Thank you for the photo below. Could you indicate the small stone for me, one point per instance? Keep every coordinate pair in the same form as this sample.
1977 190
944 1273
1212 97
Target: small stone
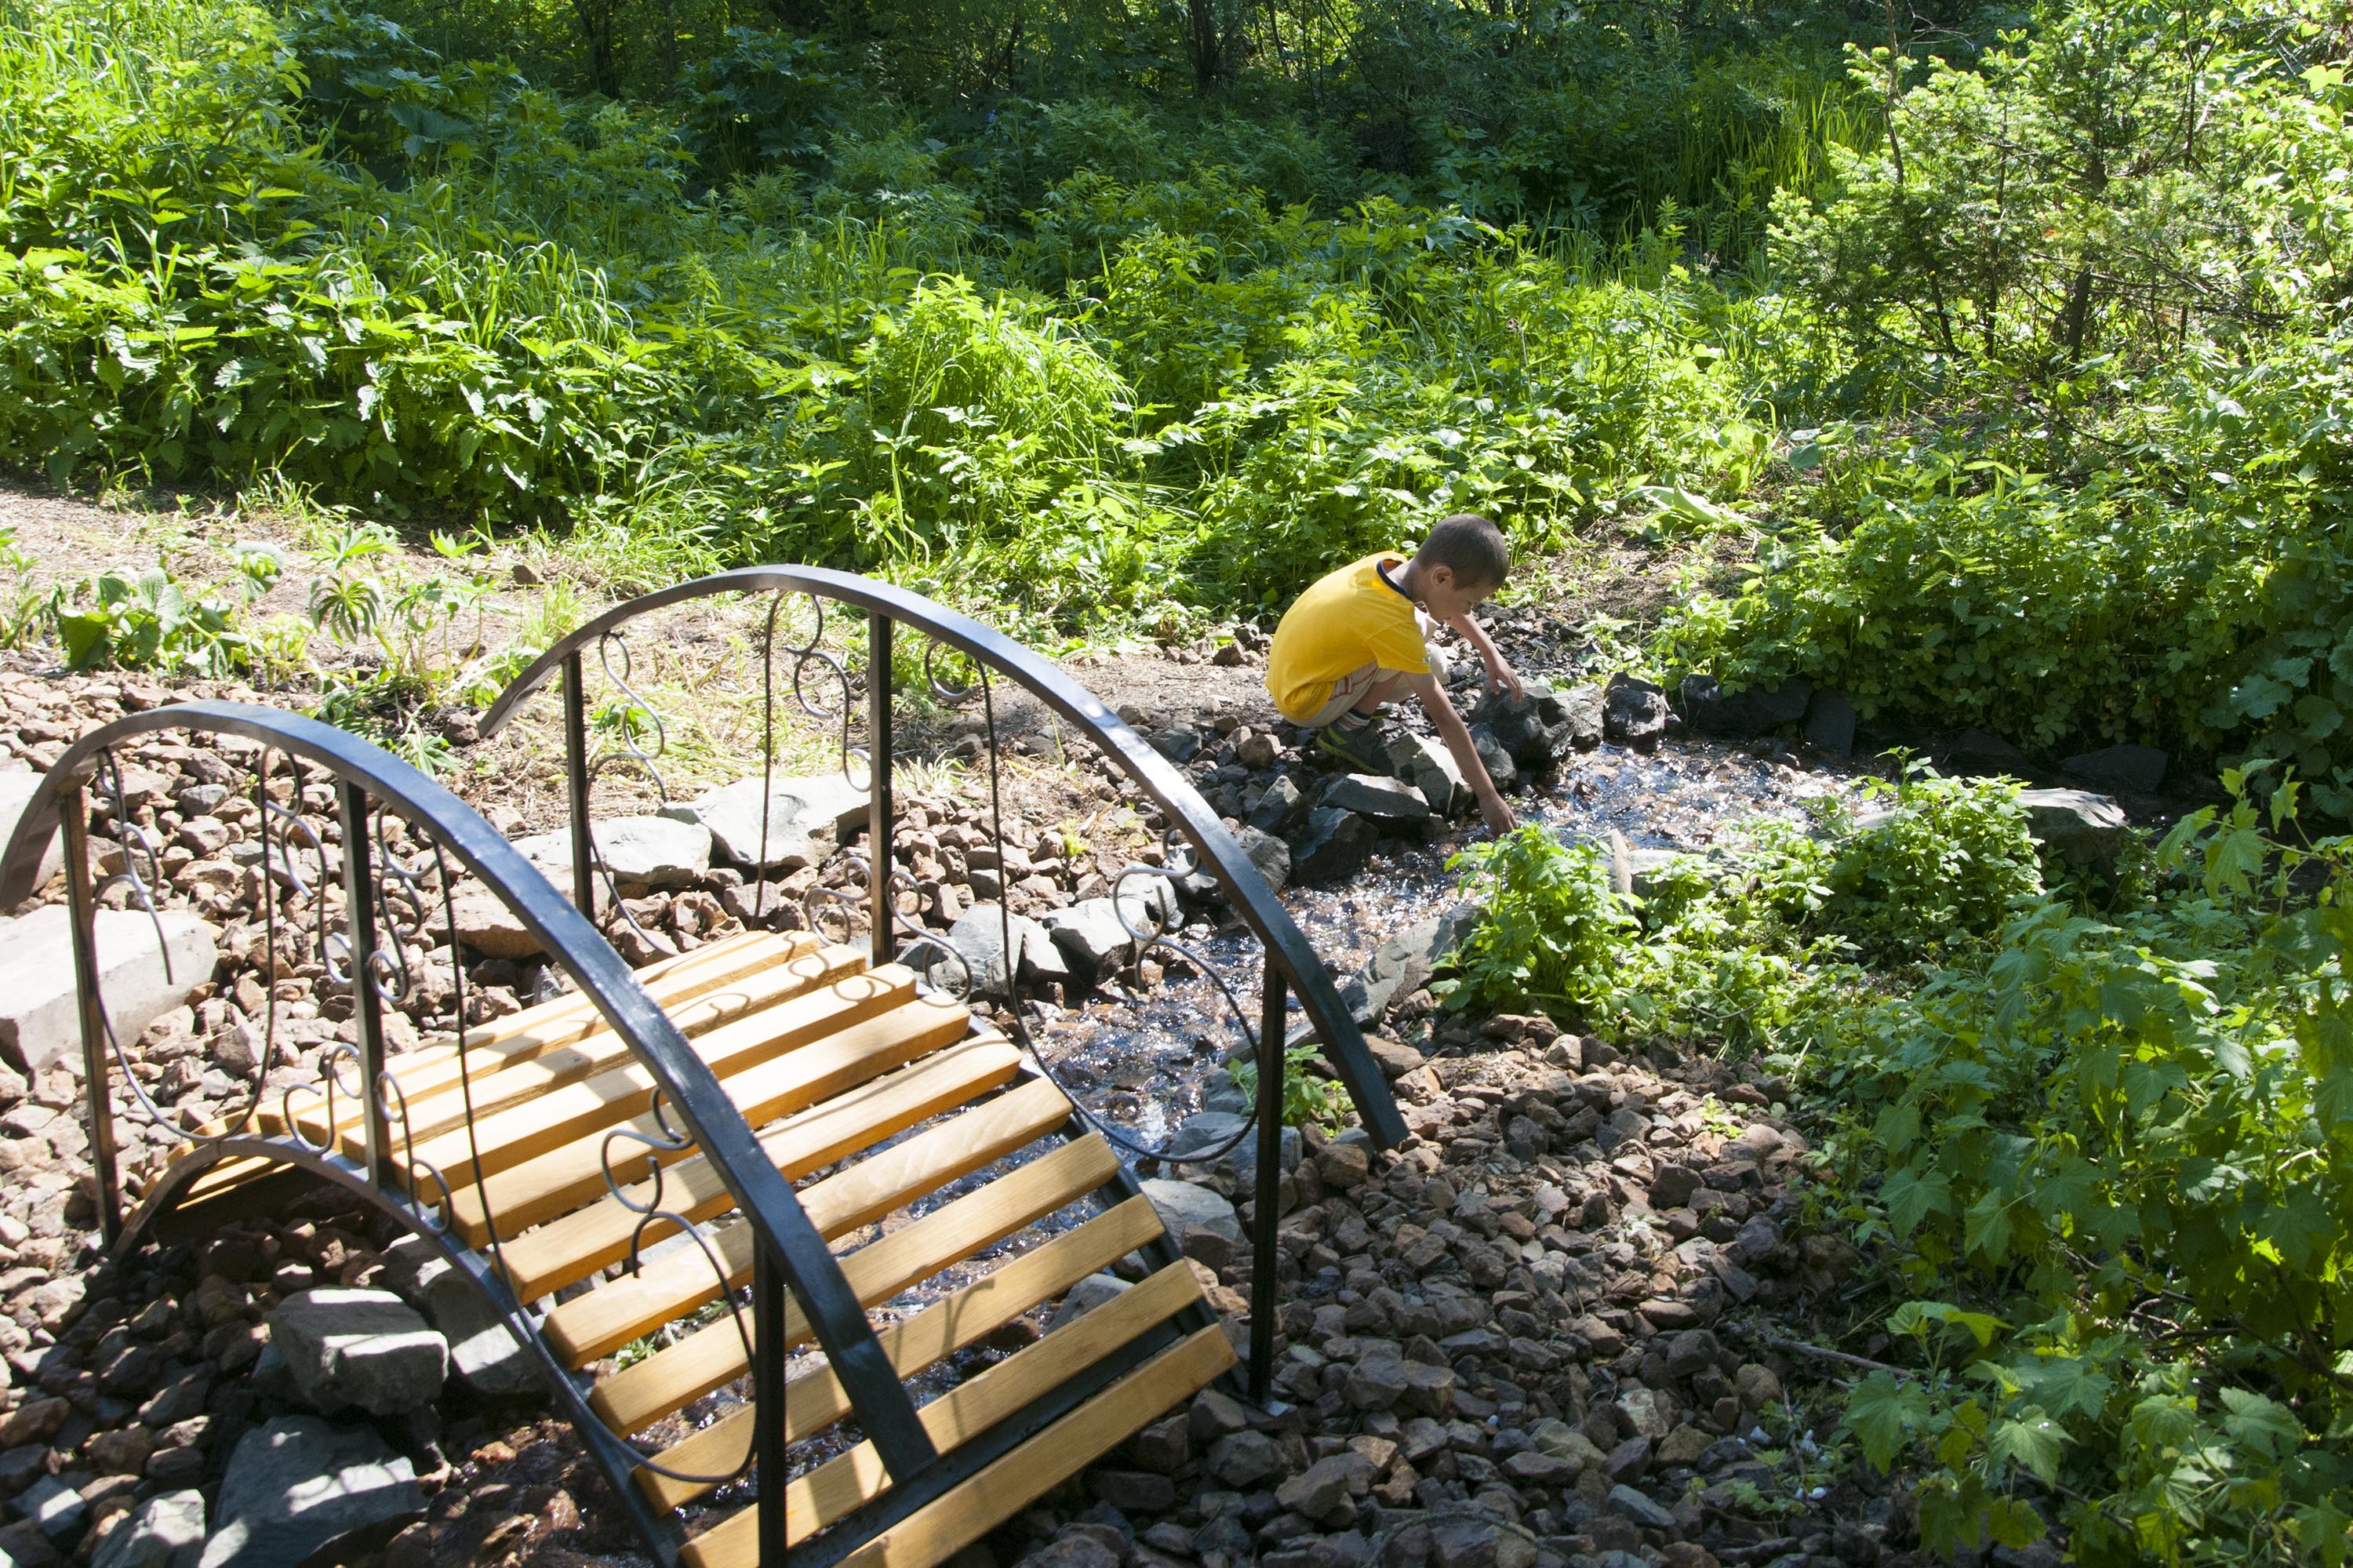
1684 1445
1280 809
1634 713
1133 1491
1183 1204
1562 1441
1535 1467
1388 803
1072 1550
1644 1414
1268 854
1093 1291
1756 1386
484 923
33 1422
1673 1186
363 1348
1628 1504
483 1352
52 1505
1242 1459
166 1531
1692 1352
1627 1461
979 937
1325 1492
1427 765
1495 756
1091 940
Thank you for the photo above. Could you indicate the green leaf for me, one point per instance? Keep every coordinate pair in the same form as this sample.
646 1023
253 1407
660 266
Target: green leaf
2268 1427
1884 1414
2031 1439
1911 1197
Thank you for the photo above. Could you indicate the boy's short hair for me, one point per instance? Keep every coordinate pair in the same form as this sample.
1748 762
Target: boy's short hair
1471 544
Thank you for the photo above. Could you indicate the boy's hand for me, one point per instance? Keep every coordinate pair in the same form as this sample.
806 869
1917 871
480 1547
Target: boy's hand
1500 673
1499 817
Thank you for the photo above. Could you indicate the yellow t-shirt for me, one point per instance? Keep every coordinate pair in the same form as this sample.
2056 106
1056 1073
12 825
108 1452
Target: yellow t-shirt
1350 618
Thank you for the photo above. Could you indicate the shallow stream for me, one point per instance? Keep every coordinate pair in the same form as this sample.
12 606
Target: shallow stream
1142 1065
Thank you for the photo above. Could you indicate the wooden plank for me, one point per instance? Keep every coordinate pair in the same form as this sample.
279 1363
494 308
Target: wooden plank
670 1378
668 1288
539 1189
669 982
815 1400
508 1084
544 1261
935 1333
578 1110
519 1037
956 1519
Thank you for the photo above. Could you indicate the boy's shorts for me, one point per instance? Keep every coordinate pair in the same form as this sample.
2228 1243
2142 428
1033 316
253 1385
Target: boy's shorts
1350 688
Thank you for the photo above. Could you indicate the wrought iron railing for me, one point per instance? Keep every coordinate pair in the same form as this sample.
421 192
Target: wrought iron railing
823 683
387 843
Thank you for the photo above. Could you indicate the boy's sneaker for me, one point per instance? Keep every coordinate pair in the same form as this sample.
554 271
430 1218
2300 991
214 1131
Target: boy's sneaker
1362 749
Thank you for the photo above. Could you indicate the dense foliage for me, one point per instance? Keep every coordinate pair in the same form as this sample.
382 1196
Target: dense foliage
2020 357
2100 1147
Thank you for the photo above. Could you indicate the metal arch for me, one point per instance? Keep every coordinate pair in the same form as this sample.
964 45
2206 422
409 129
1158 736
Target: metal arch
884 1408
1245 890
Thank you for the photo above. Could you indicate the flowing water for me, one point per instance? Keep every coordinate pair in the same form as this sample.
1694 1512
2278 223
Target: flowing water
1142 1063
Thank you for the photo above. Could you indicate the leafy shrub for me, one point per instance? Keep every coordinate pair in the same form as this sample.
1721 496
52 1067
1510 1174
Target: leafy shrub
1945 862
2118 1144
1308 1099
1551 933
153 621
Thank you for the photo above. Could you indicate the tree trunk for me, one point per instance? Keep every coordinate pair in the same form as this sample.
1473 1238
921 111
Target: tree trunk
1205 45
596 17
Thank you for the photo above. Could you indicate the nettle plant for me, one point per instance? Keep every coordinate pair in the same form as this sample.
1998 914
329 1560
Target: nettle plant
156 621
402 626
2120 1155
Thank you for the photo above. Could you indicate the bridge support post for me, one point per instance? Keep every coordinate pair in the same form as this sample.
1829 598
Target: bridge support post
81 909
1264 1217
367 1002
575 785
768 1397
881 816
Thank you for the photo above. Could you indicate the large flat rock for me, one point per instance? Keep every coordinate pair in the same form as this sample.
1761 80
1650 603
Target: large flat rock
367 1349
642 853
298 1482
16 790
804 819
140 978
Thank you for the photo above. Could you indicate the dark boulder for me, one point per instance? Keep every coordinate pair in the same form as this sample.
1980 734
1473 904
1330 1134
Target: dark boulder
1634 713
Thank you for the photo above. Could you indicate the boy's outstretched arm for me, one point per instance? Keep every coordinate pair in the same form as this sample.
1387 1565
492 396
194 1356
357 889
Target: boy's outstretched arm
1457 736
1499 668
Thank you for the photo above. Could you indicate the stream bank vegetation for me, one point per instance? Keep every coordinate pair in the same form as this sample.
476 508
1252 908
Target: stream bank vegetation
2093 1129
